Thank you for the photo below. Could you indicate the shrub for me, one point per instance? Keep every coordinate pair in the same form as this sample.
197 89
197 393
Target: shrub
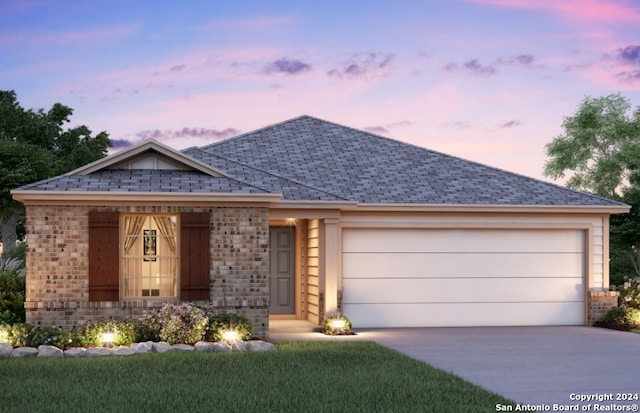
27 335
12 290
5 332
86 335
223 322
16 256
183 323
149 326
337 325
90 334
630 293
20 334
625 316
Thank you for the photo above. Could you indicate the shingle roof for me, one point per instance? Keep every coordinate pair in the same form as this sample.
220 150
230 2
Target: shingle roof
144 180
350 164
309 159
270 182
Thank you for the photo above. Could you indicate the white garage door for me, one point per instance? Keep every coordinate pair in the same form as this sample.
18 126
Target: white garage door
463 277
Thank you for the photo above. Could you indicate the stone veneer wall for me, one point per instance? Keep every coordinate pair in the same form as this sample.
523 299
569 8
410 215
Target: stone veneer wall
600 302
58 275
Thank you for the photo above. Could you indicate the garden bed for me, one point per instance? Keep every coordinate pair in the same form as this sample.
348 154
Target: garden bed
6 350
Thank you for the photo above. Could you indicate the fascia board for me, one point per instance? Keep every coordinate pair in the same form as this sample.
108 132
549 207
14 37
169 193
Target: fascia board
105 197
593 209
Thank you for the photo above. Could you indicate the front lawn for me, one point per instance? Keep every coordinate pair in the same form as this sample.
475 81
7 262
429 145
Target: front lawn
298 377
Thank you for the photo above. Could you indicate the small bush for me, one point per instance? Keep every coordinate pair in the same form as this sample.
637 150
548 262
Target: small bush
27 335
20 334
12 291
220 323
86 335
337 325
183 323
125 332
623 315
16 256
5 332
630 293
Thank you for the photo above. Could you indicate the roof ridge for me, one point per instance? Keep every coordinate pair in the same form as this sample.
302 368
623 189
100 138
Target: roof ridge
228 177
273 125
268 173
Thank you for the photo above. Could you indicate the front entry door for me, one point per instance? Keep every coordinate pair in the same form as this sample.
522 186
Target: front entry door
283 274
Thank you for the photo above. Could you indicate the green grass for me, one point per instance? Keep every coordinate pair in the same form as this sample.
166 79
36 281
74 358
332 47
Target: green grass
298 377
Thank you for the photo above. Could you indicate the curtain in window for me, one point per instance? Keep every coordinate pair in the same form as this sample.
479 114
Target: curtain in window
168 233
133 226
133 229
167 228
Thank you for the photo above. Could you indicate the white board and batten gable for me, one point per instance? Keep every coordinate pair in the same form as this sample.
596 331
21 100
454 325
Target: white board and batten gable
149 154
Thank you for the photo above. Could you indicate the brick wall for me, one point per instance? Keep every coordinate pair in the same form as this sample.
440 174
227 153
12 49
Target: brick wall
57 264
600 302
58 276
240 268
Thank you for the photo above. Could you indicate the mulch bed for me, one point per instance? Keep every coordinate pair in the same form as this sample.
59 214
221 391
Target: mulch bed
617 326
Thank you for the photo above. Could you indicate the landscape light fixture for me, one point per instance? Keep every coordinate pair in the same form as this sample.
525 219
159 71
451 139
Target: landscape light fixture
230 335
107 339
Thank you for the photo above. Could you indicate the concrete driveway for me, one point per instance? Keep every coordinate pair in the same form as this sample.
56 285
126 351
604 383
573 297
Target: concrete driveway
541 366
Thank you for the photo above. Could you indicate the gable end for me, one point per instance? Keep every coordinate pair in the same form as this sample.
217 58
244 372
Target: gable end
149 155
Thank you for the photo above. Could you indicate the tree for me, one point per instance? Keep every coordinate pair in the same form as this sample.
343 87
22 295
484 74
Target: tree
33 146
625 235
600 148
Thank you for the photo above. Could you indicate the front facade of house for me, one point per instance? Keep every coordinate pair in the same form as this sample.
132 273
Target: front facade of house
306 218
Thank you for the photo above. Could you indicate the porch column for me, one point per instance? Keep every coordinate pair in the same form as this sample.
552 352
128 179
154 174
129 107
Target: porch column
331 265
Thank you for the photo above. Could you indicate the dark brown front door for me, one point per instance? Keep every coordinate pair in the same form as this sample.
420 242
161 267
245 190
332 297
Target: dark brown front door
283 274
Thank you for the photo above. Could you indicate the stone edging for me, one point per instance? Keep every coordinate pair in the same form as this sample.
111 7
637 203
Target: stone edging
6 350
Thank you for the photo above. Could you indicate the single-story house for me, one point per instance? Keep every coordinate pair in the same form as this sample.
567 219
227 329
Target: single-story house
306 218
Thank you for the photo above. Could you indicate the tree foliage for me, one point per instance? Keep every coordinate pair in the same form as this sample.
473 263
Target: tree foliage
35 145
600 147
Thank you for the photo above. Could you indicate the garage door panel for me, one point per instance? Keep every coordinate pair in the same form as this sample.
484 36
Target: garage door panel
465 315
462 240
415 265
463 277
457 290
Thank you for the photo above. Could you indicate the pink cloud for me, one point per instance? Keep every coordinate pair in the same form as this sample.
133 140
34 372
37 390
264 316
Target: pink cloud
599 10
157 77
386 129
369 65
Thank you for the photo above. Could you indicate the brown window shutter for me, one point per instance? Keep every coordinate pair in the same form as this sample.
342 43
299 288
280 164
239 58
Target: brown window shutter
195 256
104 269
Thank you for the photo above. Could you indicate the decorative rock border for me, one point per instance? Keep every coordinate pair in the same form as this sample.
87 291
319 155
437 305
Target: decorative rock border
6 350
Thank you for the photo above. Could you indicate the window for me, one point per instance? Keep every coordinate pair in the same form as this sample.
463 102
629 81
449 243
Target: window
149 256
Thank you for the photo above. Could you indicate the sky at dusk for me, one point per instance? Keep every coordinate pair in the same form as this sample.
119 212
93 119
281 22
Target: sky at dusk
486 80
